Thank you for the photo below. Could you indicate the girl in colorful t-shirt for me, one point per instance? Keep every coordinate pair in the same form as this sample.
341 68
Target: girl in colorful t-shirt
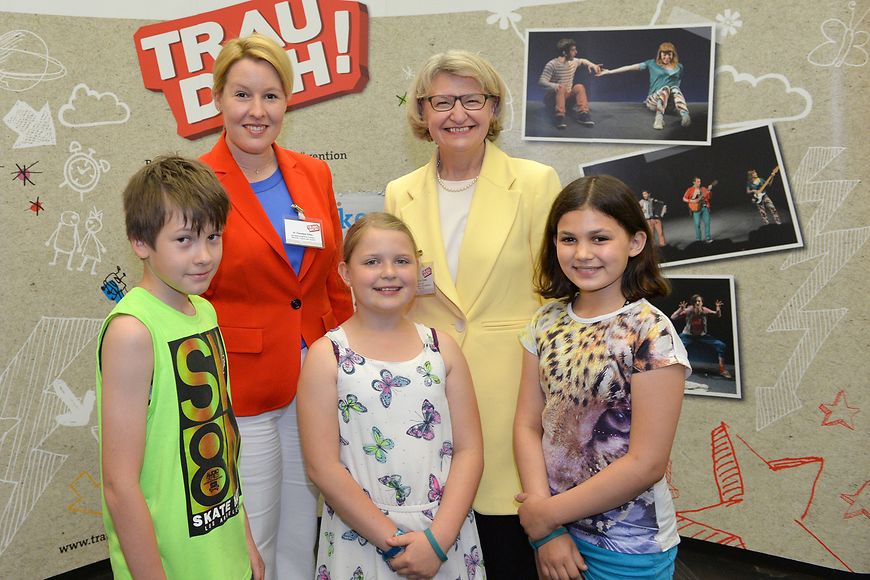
600 394
665 74
389 426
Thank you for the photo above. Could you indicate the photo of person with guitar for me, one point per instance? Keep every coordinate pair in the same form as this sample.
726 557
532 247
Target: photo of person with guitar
698 199
756 188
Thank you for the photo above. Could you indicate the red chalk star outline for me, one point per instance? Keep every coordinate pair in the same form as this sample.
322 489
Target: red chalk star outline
839 412
723 522
859 502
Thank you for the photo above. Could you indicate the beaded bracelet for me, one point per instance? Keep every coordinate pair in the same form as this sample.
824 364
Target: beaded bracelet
561 530
388 555
434 543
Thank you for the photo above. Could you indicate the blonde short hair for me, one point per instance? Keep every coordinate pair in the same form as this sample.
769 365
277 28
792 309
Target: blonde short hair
379 221
257 47
460 63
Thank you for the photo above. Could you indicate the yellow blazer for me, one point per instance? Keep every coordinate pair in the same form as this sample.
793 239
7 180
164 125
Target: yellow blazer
492 299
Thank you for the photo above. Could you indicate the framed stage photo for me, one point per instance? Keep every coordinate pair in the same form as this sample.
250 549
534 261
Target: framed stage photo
709 203
704 312
651 84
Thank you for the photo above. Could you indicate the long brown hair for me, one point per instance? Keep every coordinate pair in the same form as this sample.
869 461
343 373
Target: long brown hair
642 277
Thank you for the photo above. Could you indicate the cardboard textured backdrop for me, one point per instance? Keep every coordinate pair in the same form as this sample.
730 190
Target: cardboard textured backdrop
783 471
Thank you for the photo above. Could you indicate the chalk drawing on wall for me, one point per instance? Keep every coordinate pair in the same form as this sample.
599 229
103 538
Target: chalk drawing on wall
65 238
91 248
844 44
403 98
36 205
25 62
89 108
113 287
408 72
859 502
831 249
506 17
24 172
728 24
726 521
29 407
786 94
78 411
82 170
33 128
86 491
838 412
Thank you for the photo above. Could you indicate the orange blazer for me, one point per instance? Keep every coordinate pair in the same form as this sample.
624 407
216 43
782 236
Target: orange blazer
264 308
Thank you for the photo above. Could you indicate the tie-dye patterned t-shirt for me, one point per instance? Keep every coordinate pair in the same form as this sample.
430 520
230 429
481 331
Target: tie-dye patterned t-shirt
585 370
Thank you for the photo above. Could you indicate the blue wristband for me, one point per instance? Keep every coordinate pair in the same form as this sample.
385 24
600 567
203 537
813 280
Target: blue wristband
560 531
388 555
434 543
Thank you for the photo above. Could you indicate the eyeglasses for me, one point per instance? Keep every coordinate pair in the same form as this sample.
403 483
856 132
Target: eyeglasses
470 102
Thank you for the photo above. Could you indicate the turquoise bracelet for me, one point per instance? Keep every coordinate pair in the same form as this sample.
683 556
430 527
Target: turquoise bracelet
434 543
560 531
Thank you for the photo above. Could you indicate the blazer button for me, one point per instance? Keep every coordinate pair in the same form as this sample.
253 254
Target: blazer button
459 325
296 304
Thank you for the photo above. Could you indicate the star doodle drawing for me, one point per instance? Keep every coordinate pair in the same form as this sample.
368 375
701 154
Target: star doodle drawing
36 206
408 72
831 250
87 493
859 502
838 412
738 471
23 173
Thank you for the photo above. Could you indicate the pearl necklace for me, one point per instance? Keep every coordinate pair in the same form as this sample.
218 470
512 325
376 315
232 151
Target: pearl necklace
453 189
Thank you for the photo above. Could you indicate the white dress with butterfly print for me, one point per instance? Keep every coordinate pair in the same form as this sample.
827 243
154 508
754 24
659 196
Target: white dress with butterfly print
396 441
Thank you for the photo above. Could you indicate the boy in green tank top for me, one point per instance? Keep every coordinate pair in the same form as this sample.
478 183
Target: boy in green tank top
169 443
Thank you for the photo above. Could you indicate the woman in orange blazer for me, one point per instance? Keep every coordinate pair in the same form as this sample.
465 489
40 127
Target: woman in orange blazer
272 298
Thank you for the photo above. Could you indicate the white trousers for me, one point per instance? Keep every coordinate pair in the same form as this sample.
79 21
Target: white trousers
279 498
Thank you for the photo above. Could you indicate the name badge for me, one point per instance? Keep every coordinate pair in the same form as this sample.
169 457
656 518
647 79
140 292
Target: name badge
306 233
425 279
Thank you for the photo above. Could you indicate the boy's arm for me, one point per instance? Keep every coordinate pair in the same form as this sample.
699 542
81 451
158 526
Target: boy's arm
258 567
127 365
546 77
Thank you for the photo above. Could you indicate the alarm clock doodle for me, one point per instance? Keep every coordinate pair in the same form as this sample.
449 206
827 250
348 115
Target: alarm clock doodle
82 171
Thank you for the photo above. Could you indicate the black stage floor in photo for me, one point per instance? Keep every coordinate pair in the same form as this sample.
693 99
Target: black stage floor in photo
628 121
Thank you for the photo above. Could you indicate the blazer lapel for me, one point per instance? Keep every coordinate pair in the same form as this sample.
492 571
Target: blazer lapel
490 219
304 196
422 216
243 198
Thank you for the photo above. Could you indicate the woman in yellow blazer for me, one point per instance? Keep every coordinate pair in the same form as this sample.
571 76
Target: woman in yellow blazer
478 217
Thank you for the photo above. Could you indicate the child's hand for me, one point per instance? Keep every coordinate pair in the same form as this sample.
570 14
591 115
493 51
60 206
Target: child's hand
258 567
593 68
533 516
601 71
559 558
719 304
418 560
683 305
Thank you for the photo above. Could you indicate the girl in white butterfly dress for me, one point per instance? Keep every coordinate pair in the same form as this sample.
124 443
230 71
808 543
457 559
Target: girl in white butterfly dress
389 426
